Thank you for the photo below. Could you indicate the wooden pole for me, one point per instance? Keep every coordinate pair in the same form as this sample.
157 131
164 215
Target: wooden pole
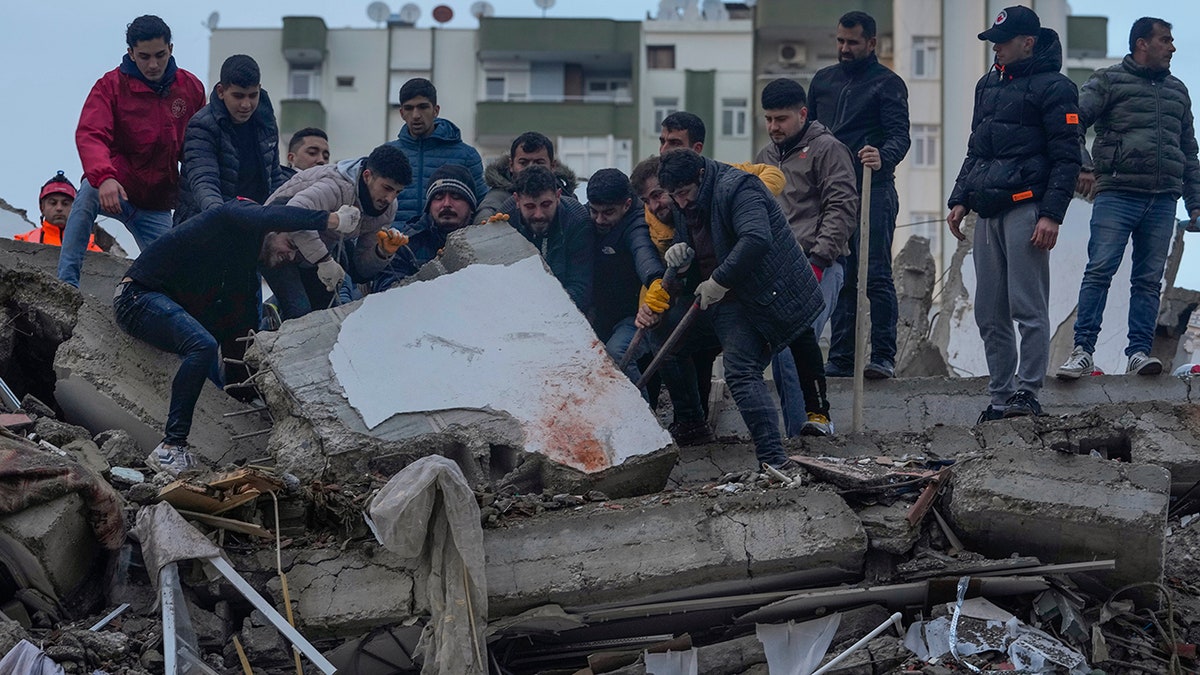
862 317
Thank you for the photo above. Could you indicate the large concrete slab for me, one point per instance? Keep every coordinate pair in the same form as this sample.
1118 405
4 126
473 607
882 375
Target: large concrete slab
1063 508
314 383
604 554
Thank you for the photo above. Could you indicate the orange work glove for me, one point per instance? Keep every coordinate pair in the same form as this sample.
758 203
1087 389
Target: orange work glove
390 240
497 217
657 298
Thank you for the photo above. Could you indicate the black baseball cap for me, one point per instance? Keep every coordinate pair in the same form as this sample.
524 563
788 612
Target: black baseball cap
1011 22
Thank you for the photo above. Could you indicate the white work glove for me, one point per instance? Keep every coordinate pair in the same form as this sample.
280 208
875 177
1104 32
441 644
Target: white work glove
348 217
710 293
679 256
331 274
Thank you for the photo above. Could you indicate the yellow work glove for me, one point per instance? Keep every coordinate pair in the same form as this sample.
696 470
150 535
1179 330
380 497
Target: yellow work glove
390 240
657 298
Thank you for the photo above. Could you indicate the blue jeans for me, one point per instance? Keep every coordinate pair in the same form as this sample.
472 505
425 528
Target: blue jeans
783 366
1117 217
156 319
746 355
618 343
881 289
145 225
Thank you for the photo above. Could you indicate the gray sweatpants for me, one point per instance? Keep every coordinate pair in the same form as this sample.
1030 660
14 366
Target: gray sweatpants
1012 283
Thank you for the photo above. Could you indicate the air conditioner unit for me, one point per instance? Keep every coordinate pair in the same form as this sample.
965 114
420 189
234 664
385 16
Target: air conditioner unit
793 53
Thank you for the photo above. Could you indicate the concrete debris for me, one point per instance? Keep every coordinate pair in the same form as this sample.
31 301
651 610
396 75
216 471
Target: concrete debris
915 274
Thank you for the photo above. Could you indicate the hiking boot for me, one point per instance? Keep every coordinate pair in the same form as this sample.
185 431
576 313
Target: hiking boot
817 425
879 370
696 432
836 371
1077 365
990 414
1141 363
170 459
1021 404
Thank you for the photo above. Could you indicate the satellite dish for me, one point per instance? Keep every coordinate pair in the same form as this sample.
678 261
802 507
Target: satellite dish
378 11
442 13
410 13
211 22
545 5
482 9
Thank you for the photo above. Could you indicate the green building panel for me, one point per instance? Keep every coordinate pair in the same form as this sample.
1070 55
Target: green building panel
1087 36
561 119
296 114
700 99
304 40
559 35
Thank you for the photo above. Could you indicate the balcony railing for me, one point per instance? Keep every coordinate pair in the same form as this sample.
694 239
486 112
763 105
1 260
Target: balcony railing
610 97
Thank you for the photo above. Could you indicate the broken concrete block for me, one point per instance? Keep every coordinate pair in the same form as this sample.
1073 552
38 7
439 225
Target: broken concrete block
119 448
86 453
59 433
10 634
488 393
1063 508
888 529
264 646
601 554
916 275
55 546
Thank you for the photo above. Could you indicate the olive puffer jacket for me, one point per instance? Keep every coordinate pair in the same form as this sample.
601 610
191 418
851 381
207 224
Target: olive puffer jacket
1025 137
1145 138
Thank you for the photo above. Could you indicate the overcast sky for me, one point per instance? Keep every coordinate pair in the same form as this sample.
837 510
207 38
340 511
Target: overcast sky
54 51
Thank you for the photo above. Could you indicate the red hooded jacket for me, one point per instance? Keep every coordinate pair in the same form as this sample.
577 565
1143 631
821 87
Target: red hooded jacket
128 132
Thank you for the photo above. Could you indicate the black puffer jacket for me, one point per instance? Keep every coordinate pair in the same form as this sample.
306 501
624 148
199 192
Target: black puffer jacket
625 261
209 172
1025 137
568 247
758 259
1145 138
864 103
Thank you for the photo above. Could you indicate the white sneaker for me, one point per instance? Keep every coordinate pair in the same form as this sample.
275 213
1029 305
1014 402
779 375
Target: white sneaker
1077 365
170 459
1143 364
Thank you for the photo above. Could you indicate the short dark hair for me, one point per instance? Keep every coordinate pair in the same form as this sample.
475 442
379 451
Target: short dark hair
644 171
1143 28
147 27
532 141
783 93
679 167
240 70
857 18
608 186
391 163
686 121
418 86
299 136
534 181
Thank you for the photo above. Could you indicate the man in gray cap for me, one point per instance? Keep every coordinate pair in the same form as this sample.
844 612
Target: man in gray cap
1019 176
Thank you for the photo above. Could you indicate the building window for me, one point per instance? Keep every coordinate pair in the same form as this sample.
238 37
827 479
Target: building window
662 108
589 154
734 114
615 90
926 224
345 80
495 89
924 145
660 57
304 83
925 58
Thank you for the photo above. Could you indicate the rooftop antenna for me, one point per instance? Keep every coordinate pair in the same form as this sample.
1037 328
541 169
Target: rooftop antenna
482 9
378 12
211 22
409 14
545 5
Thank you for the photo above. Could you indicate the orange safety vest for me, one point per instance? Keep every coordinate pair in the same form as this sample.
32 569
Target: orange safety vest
51 235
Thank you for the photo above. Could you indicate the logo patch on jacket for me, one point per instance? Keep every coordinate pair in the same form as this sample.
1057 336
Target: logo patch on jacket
1022 196
1072 118
608 250
178 108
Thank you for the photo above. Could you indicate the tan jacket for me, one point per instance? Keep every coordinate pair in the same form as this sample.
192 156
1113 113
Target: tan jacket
328 188
820 199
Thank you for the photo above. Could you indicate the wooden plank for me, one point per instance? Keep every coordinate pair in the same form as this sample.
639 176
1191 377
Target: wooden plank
228 524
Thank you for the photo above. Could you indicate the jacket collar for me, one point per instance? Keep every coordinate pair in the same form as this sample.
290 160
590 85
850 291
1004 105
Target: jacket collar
162 87
1135 68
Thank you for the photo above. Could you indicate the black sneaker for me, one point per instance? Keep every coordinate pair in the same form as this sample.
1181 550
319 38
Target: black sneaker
991 414
696 432
879 370
1021 404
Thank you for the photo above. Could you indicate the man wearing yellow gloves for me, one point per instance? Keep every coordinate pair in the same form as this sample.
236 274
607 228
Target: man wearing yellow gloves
625 261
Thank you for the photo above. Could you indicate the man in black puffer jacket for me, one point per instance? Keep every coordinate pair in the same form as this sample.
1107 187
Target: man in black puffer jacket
231 148
750 277
1019 176
1145 159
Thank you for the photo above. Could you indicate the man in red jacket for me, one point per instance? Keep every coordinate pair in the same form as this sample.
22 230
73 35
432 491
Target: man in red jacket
129 137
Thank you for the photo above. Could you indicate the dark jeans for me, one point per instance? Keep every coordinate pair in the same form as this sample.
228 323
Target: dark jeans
746 355
881 289
156 319
297 289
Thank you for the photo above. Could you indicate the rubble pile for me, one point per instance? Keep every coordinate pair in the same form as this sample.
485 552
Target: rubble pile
1068 543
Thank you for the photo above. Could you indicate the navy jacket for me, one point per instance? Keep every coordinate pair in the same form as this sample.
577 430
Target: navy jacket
864 103
210 167
626 260
567 247
758 259
209 264
443 146
425 239
1025 137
